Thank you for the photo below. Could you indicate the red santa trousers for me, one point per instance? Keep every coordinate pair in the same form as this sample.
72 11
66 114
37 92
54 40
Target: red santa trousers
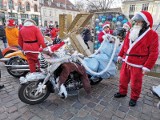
134 76
32 59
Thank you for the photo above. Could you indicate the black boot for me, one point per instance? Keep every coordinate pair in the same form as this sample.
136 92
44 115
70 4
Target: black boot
118 95
1 86
132 103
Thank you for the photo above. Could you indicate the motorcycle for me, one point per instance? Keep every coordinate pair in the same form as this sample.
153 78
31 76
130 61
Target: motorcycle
16 61
17 64
36 87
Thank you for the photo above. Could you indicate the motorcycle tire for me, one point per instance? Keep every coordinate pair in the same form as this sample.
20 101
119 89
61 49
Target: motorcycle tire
14 61
8 52
26 93
95 82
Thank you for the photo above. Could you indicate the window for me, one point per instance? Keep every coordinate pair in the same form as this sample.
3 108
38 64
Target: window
45 23
24 16
35 8
58 4
70 7
145 6
132 8
1 4
19 6
11 4
27 7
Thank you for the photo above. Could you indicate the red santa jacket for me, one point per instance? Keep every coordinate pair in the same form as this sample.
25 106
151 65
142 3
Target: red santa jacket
143 53
100 35
54 33
30 39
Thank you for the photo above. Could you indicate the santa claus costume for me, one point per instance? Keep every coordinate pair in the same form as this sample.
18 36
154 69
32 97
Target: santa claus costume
30 40
106 30
139 56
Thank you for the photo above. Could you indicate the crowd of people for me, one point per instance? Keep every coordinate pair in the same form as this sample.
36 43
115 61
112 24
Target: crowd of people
138 53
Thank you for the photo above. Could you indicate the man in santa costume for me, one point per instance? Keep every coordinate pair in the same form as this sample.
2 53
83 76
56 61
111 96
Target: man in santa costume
30 40
106 30
139 54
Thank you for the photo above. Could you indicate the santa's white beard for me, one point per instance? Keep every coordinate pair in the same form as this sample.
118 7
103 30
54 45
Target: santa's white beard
134 32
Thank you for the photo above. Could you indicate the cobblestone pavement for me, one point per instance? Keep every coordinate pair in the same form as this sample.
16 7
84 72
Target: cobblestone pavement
99 105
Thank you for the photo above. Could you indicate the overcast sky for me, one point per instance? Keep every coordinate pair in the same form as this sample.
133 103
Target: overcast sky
117 3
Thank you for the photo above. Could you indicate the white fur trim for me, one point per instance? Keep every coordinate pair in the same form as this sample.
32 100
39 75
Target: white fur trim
63 91
119 57
146 69
132 45
107 25
144 17
27 51
134 65
49 48
29 23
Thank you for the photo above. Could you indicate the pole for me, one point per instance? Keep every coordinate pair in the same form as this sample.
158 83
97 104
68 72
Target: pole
40 7
65 7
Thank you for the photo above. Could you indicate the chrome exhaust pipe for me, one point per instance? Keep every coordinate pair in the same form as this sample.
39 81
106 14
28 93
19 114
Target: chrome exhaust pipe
18 66
20 70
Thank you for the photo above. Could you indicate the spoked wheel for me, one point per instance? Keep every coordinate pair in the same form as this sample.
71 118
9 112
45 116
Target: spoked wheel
28 93
16 61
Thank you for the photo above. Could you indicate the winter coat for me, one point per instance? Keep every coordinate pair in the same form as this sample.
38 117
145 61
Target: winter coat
102 33
12 35
54 32
143 53
86 35
30 39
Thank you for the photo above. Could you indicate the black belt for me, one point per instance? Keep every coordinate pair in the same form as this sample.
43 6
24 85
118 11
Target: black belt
31 41
136 55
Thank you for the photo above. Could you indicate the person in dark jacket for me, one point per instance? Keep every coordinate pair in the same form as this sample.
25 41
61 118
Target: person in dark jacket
3 35
86 35
1 86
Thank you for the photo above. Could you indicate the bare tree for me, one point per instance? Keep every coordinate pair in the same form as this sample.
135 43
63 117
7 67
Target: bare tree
80 5
99 5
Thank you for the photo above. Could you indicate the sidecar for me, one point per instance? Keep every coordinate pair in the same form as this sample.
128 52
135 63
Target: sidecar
102 64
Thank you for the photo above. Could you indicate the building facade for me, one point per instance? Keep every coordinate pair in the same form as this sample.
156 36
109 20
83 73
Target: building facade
130 7
51 9
19 10
43 12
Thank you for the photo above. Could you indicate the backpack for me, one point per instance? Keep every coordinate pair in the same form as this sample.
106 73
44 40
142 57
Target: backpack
2 31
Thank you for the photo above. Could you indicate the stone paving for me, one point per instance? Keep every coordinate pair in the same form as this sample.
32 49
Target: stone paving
99 105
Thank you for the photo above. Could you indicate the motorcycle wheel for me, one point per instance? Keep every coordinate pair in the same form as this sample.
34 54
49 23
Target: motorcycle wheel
26 93
16 61
95 82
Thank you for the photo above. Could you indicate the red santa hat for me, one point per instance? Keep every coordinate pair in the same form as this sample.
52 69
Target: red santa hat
106 24
11 23
128 24
147 17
